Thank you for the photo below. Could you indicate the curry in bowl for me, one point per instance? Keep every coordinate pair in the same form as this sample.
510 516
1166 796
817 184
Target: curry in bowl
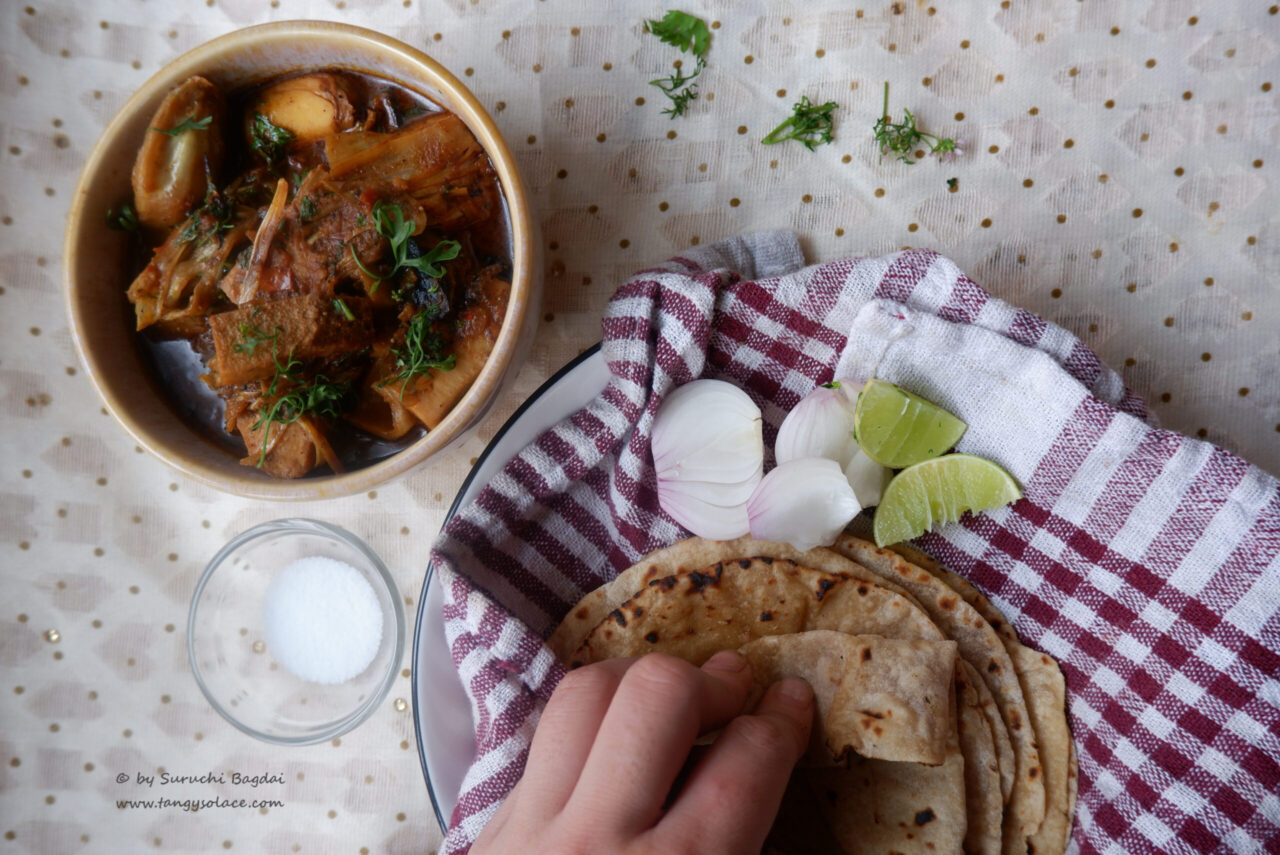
325 264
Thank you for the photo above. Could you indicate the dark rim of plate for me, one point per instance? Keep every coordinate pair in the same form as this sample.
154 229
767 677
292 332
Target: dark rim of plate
426 582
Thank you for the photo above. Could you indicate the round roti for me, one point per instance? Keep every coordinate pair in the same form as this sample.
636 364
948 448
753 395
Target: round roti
984 801
693 553
982 648
696 613
884 698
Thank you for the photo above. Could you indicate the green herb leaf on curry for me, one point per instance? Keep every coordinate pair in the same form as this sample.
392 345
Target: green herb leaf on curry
122 219
269 139
389 221
191 123
318 396
422 352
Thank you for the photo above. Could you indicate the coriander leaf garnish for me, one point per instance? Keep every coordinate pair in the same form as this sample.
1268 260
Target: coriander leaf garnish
122 219
191 123
268 139
251 337
901 140
216 214
682 30
809 124
690 34
421 354
306 209
341 306
389 220
318 395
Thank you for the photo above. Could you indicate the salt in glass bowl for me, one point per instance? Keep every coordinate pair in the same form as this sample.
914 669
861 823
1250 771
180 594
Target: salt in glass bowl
226 641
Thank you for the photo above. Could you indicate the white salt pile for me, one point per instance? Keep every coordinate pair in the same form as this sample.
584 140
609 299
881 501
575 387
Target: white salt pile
322 620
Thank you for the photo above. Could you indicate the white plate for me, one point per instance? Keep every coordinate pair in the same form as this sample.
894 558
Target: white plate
441 710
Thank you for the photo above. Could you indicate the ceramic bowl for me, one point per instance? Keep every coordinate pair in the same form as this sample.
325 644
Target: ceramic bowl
97 270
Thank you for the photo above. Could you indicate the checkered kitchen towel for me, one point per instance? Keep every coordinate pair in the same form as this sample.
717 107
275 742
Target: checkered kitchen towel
1148 563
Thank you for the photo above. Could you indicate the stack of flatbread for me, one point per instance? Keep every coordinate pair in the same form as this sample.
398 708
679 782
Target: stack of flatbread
936 730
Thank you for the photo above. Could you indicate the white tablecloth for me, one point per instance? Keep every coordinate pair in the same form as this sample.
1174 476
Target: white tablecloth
1118 177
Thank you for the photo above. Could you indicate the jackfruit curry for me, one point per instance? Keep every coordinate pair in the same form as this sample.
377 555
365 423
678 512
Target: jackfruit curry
331 265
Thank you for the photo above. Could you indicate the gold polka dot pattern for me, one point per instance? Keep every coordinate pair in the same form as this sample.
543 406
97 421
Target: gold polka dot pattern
1118 178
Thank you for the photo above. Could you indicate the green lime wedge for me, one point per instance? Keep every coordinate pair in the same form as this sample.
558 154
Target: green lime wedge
939 491
897 429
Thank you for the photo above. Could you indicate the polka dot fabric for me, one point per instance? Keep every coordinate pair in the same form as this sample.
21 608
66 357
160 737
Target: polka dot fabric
1119 178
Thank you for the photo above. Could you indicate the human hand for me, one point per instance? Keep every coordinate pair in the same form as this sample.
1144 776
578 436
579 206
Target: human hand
612 741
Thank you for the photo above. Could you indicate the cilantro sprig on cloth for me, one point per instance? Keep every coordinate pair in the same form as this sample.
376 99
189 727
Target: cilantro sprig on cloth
901 139
691 34
810 124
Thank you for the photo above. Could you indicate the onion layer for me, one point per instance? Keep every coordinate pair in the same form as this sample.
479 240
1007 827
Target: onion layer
806 502
708 456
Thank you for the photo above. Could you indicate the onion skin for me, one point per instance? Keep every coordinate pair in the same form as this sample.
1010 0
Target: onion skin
172 173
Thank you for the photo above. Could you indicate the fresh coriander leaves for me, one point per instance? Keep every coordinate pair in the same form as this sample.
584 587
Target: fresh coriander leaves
191 123
901 140
682 30
675 88
318 395
268 139
691 35
251 337
810 125
422 352
306 209
389 220
122 219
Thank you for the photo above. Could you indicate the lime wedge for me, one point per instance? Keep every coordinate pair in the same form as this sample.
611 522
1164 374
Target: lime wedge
939 491
897 429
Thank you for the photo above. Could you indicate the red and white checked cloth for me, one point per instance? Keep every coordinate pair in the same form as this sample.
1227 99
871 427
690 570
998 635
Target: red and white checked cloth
1148 563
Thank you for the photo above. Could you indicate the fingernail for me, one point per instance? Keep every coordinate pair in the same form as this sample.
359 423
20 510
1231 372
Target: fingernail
795 691
726 660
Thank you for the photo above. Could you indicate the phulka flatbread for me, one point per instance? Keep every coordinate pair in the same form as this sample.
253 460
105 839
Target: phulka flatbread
963 587
883 698
984 801
1046 694
1044 689
693 613
983 648
877 807
693 553
697 613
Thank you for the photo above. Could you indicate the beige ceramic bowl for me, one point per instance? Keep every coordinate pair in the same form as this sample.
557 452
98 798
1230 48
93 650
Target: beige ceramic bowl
97 272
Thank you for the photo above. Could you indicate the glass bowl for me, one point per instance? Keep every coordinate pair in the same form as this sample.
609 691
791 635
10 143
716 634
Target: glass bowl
227 641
